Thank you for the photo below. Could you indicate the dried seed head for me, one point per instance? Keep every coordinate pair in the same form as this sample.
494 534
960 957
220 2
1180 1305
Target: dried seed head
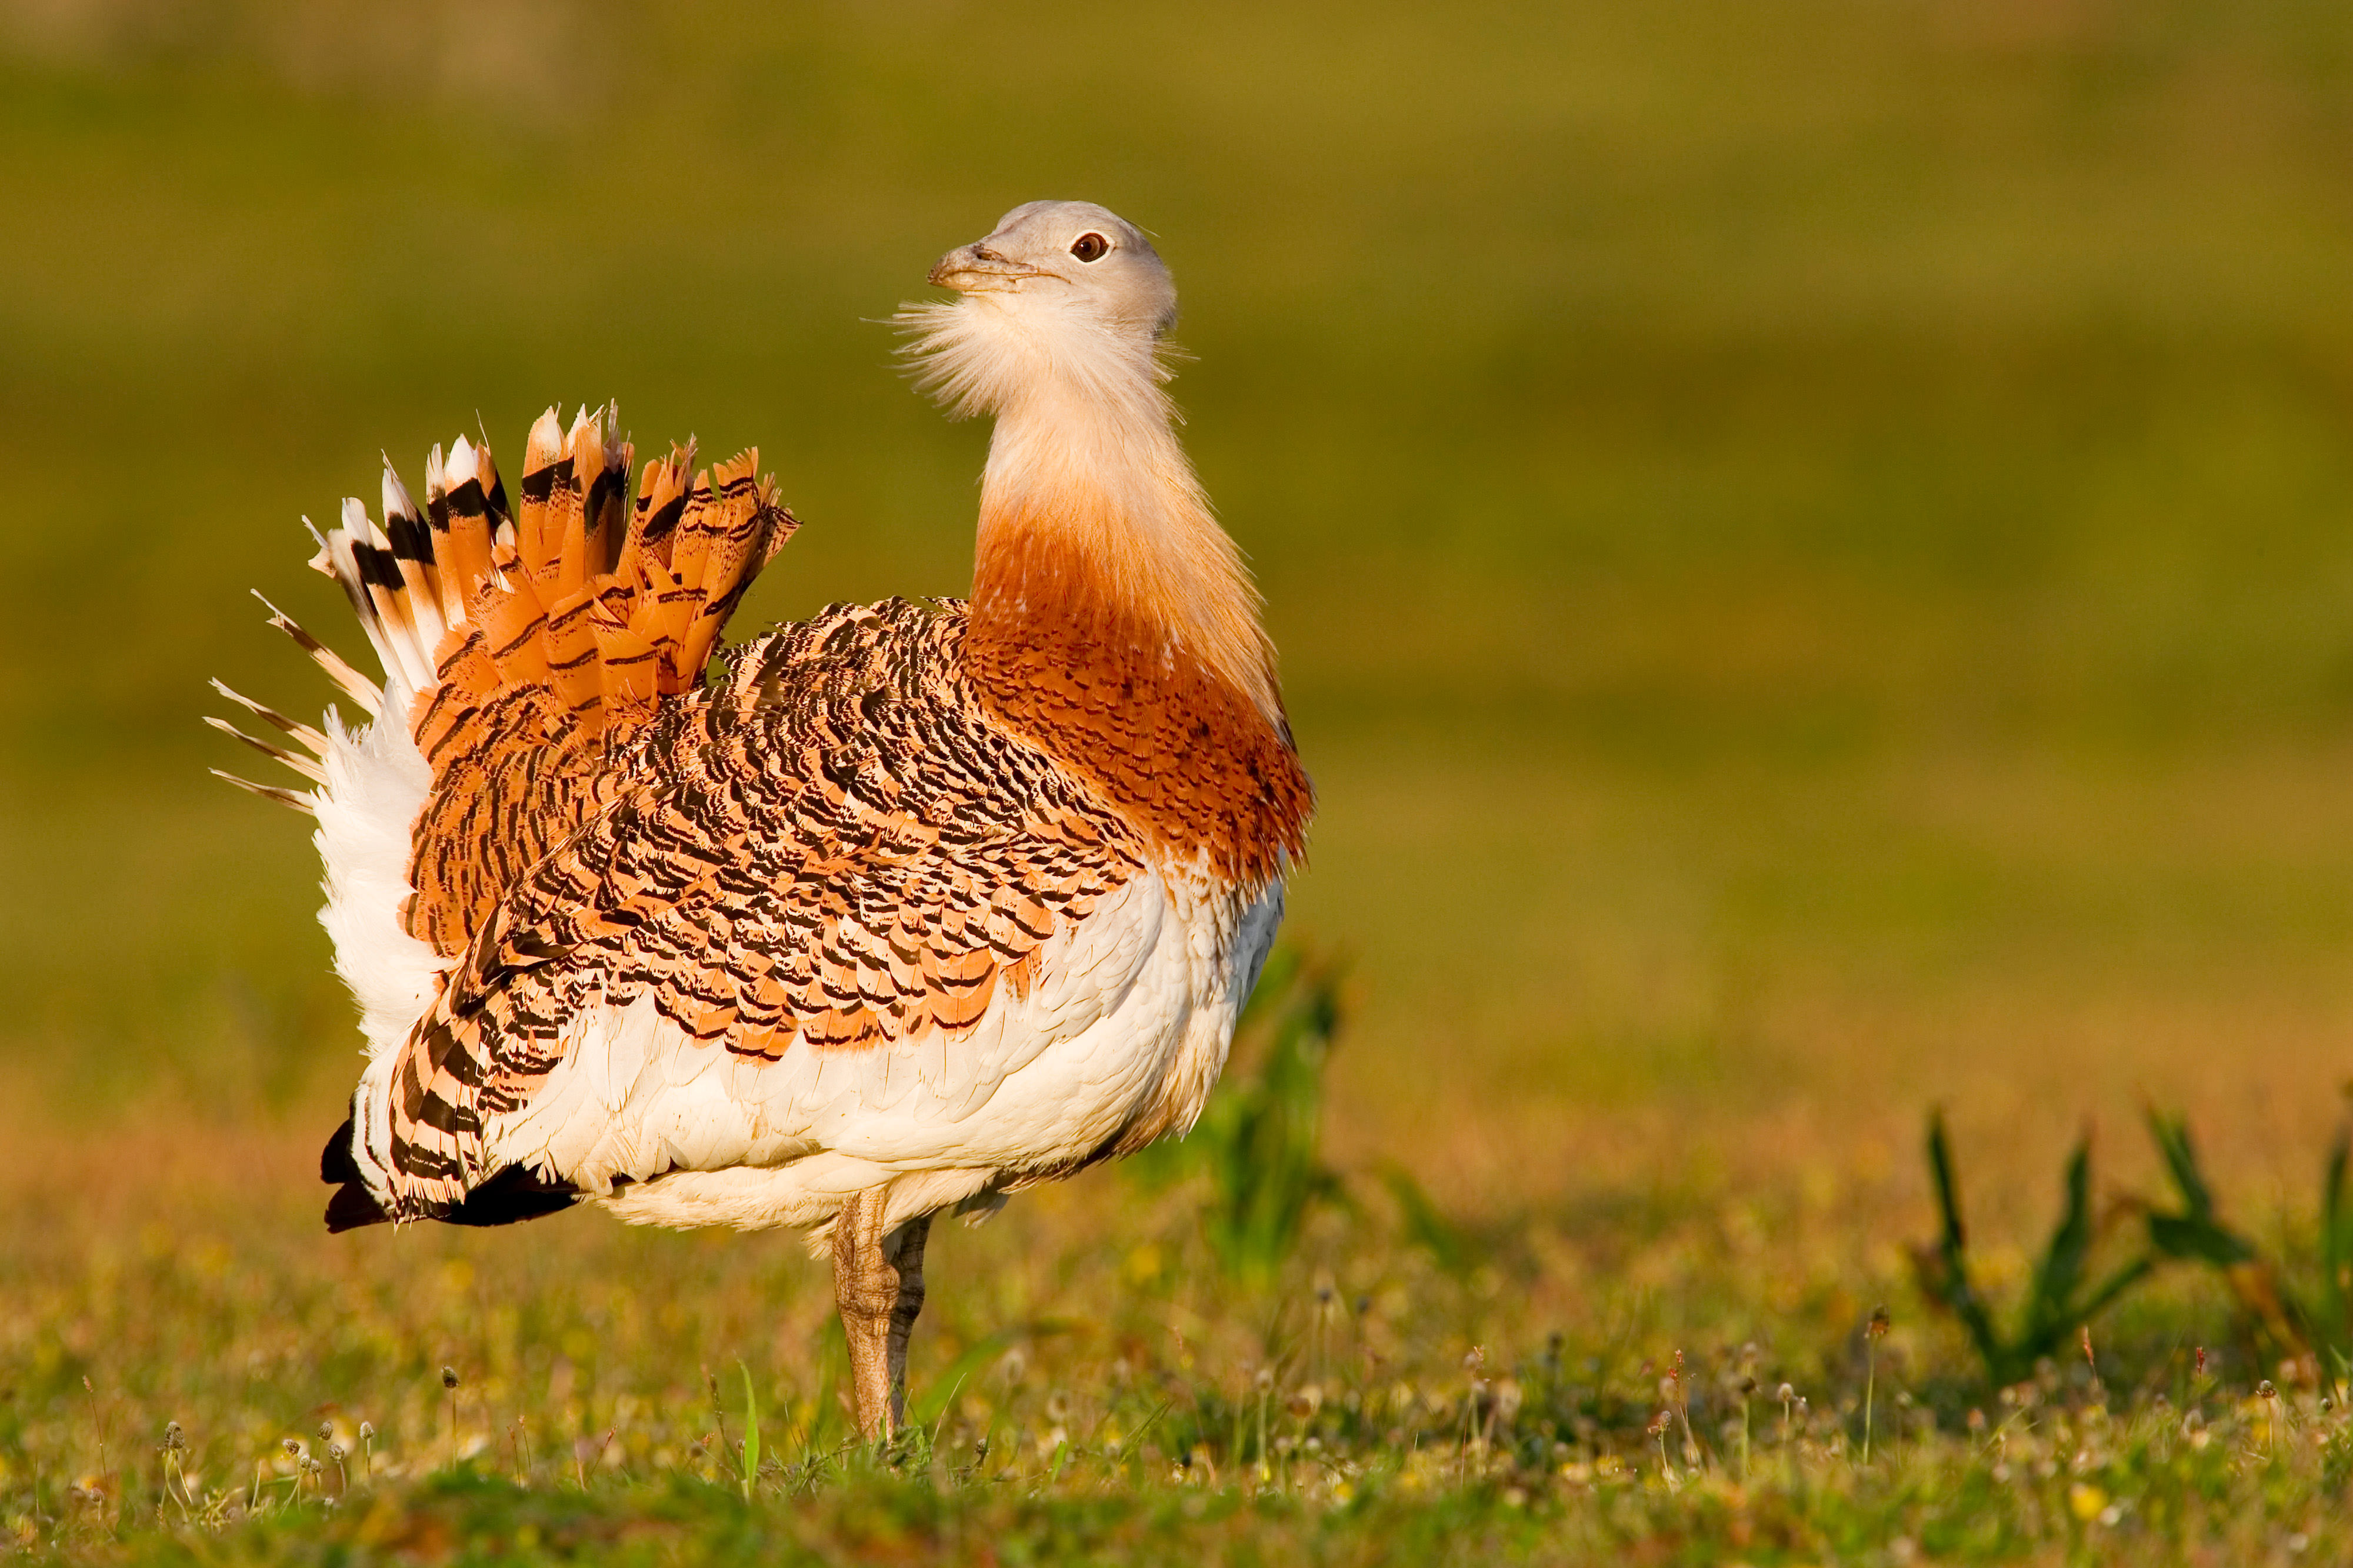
1785 1394
2264 1390
367 1430
1878 1322
335 1451
450 1377
326 1430
1265 1379
293 1448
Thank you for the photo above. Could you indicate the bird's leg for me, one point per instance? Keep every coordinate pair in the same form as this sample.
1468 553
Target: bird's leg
866 1288
878 1284
907 1244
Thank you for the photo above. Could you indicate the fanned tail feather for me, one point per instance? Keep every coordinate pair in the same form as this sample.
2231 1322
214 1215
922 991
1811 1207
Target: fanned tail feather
519 635
358 687
590 613
521 646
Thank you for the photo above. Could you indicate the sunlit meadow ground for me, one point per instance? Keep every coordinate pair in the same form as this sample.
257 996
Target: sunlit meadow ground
1810 546
1089 1389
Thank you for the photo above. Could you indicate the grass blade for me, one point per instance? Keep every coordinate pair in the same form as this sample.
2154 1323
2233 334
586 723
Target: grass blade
2335 1314
1946 1281
2052 1313
2196 1234
751 1433
933 1408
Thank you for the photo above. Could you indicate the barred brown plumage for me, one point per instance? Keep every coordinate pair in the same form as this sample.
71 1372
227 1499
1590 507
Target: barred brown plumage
893 911
875 847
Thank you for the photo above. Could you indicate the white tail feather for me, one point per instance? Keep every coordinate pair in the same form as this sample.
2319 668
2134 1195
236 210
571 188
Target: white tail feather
374 786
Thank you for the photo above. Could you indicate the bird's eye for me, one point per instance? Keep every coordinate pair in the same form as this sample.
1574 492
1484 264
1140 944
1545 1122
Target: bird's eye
1091 247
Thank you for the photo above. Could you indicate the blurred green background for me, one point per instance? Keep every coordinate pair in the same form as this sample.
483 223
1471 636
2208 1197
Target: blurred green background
1812 544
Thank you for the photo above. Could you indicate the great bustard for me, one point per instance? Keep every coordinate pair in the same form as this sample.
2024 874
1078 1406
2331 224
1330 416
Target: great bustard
891 911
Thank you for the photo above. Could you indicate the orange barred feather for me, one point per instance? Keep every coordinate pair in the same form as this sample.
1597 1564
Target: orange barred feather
572 636
831 846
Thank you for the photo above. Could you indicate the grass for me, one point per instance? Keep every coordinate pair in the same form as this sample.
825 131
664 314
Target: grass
1810 549
231 1386
197 1373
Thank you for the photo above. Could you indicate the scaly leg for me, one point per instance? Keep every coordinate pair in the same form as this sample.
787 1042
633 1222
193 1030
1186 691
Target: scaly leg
907 1244
866 1290
878 1284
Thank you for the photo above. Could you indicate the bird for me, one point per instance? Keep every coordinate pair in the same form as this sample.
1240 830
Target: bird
875 917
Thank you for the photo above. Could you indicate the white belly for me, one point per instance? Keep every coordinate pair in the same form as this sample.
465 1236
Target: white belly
1128 1019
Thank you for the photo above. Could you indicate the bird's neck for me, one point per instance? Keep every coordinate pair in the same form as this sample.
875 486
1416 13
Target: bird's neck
1113 622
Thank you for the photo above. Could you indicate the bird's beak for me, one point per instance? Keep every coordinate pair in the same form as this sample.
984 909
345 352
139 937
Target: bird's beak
975 268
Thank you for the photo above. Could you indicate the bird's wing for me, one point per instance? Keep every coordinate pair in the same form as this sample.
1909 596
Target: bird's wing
829 851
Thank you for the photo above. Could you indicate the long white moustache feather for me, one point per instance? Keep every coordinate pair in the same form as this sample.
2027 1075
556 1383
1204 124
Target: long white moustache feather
977 355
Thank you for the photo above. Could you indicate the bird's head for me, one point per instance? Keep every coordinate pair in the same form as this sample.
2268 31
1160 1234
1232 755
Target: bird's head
1071 258
1060 294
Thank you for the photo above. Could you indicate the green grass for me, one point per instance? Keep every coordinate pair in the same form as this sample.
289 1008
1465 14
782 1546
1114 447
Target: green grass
1091 1388
1810 545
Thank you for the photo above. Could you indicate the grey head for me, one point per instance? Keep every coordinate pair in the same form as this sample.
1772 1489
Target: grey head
1067 255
